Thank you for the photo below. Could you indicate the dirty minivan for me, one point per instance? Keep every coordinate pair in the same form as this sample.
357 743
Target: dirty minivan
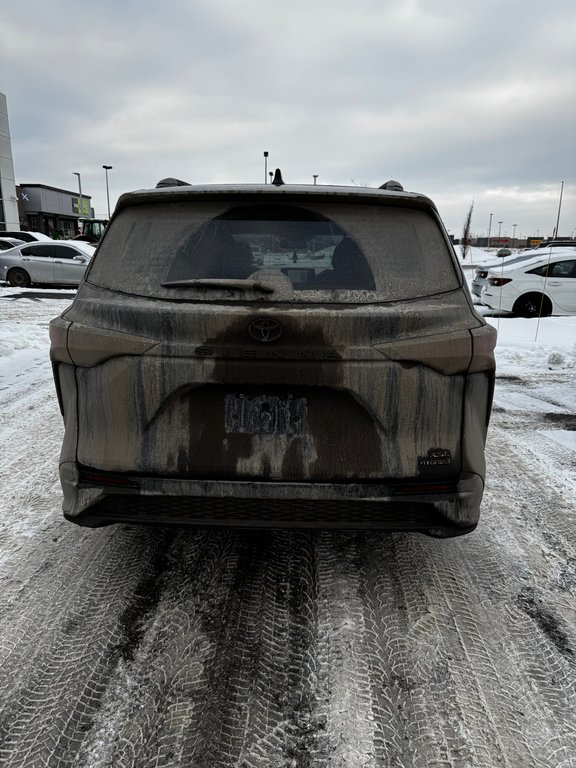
274 355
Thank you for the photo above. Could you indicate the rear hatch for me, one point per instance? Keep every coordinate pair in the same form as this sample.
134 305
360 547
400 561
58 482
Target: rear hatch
293 341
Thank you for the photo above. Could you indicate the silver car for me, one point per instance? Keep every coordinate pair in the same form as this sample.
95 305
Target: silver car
61 262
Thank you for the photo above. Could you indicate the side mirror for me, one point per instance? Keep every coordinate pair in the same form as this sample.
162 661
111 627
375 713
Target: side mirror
79 257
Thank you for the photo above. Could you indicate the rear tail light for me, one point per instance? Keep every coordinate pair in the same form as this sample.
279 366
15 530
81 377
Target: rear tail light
448 353
498 282
481 273
58 330
483 343
87 345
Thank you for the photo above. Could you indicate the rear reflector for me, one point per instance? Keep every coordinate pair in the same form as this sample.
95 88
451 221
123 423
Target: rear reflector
104 478
424 488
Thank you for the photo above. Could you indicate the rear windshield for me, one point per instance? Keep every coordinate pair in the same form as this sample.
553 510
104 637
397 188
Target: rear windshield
319 253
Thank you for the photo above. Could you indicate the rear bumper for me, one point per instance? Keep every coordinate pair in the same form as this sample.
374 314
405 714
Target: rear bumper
94 498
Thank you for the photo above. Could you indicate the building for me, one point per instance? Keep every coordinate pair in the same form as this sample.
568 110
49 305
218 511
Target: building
8 199
36 207
51 210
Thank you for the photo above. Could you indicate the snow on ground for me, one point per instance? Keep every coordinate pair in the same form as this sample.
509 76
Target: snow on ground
24 340
532 345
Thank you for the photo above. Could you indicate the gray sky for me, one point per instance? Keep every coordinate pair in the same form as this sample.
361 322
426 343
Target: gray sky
462 100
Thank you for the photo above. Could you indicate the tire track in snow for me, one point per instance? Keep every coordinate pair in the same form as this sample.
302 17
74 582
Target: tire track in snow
225 674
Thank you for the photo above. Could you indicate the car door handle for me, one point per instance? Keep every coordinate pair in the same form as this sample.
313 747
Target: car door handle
554 282
25 259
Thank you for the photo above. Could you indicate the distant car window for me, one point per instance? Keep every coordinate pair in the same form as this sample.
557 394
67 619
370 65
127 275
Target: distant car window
63 252
542 271
555 269
20 235
37 250
564 269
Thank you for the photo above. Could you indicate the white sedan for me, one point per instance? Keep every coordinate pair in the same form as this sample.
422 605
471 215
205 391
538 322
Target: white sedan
55 262
541 286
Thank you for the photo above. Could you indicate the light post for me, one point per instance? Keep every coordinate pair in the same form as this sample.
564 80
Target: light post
514 234
265 167
489 229
106 169
80 205
314 176
499 229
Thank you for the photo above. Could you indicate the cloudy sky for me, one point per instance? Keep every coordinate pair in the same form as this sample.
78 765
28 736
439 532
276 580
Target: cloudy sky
462 100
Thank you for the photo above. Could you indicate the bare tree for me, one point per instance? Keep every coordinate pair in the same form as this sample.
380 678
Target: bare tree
466 232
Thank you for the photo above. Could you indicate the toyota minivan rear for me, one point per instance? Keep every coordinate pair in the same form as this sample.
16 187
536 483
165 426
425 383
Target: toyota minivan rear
275 355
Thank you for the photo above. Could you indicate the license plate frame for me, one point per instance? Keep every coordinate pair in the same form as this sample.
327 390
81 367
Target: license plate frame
265 414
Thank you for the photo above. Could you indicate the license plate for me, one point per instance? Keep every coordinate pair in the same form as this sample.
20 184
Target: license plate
265 414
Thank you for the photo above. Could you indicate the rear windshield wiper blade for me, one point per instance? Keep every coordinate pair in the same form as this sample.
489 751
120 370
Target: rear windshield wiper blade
221 282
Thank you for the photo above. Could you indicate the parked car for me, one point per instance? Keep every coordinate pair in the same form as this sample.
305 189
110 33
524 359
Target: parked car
481 273
27 237
556 244
274 356
9 242
60 262
540 287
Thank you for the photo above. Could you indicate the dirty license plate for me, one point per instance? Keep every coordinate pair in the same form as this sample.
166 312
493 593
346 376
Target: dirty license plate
265 414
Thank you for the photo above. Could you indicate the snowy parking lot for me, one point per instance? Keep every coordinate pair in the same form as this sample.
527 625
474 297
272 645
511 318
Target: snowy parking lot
132 646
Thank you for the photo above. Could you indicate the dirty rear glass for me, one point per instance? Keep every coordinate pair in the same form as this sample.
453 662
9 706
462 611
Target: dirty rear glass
314 252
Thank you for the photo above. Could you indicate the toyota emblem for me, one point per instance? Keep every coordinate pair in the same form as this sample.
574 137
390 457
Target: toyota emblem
265 329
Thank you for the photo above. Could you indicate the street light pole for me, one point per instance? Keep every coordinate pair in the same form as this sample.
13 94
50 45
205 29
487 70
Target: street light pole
514 234
559 208
265 167
314 176
80 205
106 169
499 229
490 229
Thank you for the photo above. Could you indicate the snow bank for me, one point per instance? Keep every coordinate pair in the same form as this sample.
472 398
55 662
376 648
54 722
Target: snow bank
13 340
529 345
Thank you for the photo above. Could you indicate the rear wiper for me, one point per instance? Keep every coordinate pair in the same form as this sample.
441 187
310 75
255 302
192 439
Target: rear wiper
221 282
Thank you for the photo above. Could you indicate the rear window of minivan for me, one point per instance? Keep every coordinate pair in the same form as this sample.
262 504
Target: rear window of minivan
317 252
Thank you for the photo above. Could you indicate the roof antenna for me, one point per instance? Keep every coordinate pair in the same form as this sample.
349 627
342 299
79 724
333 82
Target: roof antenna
278 181
393 185
171 182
